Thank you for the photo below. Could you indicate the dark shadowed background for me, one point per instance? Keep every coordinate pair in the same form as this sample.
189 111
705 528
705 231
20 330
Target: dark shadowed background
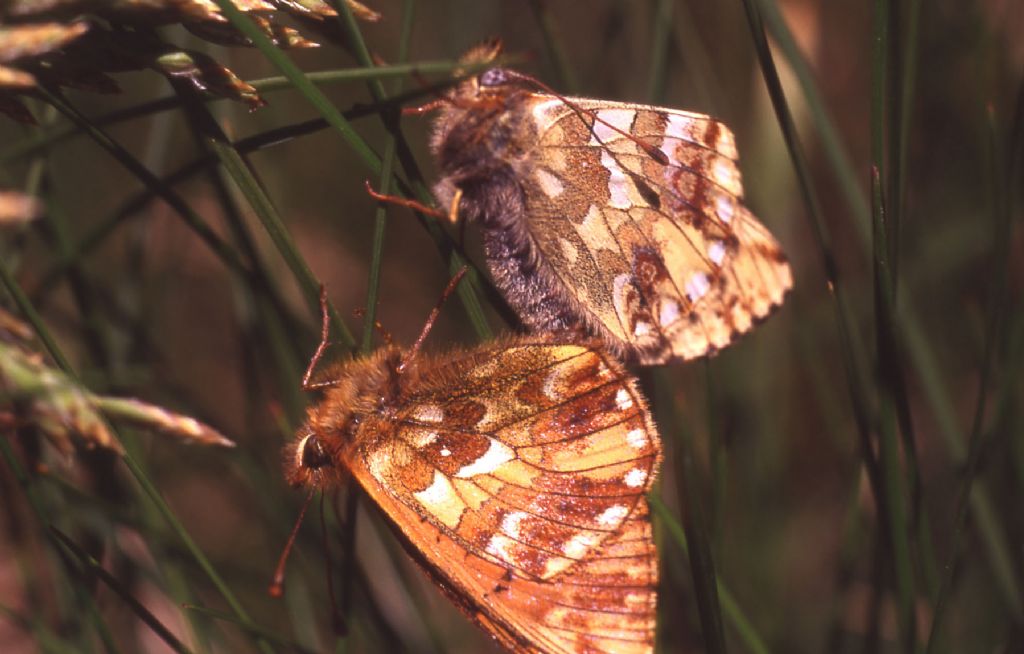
851 494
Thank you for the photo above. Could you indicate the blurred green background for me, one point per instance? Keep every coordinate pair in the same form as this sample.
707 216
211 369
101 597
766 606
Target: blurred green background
849 474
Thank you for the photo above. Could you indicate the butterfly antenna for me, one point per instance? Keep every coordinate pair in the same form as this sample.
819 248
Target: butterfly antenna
324 329
431 318
276 589
651 151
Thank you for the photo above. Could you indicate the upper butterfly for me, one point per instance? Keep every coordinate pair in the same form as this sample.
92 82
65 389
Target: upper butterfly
624 219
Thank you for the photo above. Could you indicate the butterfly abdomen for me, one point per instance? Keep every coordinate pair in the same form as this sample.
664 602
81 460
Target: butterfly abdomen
497 203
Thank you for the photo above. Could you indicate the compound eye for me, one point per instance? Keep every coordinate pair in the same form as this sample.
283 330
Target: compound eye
313 455
493 77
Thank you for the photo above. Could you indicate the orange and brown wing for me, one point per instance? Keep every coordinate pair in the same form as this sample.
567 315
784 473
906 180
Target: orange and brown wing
517 474
662 255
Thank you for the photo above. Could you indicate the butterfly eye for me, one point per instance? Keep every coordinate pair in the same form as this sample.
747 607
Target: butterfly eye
313 454
493 77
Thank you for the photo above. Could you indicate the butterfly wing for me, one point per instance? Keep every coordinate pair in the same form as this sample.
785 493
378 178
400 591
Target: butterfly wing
656 249
517 475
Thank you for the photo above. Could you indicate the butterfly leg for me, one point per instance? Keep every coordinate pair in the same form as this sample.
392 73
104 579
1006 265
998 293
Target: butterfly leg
405 202
424 108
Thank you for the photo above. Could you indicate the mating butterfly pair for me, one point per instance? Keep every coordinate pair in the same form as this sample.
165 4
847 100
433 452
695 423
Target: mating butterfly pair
516 471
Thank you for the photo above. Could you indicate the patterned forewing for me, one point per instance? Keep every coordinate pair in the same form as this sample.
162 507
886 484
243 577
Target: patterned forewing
604 604
528 462
665 257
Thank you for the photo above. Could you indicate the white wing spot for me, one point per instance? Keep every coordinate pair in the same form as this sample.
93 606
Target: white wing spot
620 286
716 252
618 185
623 400
555 565
551 385
726 143
549 183
425 438
510 523
637 439
724 208
613 515
498 548
669 312
428 413
677 129
497 454
441 501
638 572
724 174
569 250
594 230
637 599
642 329
636 477
437 492
668 148
579 544
607 119
379 462
445 451
698 286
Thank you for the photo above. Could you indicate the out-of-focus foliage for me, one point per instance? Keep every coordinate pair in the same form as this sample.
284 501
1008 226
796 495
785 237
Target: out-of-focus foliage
37 398
855 462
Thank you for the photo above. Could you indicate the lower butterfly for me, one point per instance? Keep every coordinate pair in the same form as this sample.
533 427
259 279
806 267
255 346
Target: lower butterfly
514 472
624 220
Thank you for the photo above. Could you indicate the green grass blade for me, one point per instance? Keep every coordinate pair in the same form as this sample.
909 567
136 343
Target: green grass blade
851 350
892 503
301 83
701 563
998 301
658 78
153 183
93 567
133 466
54 135
264 209
850 184
553 44
922 358
254 630
731 609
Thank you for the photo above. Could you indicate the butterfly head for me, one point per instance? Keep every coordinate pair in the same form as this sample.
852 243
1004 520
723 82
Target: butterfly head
310 458
490 86
355 391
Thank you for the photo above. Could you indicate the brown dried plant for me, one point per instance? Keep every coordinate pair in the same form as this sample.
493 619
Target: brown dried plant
79 43
36 396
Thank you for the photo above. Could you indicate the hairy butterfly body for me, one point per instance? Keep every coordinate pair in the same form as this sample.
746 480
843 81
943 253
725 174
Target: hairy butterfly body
622 219
515 473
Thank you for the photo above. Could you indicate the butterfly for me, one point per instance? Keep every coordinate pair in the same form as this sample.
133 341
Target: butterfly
514 473
622 220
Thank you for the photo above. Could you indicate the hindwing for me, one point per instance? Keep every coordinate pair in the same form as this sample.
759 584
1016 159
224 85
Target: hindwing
657 250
